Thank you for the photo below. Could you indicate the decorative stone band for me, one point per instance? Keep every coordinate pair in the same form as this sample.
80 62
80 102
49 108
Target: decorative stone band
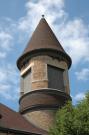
43 99
40 107
24 59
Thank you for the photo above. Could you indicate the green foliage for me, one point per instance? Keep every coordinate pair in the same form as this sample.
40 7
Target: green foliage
72 120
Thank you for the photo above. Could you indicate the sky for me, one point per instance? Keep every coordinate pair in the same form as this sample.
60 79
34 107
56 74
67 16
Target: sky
69 19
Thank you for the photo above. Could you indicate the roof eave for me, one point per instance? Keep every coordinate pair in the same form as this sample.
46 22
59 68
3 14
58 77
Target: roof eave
13 130
43 51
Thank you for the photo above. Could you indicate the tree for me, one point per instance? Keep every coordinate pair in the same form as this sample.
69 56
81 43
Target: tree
72 120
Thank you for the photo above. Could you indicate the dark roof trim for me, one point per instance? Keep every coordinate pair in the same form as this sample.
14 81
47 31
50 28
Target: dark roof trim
11 130
38 107
43 51
48 91
0 116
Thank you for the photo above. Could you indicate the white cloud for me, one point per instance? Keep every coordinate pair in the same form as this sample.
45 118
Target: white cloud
2 55
74 36
5 43
8 92
52 10
79 96
83 74
9 83
5 40
8 74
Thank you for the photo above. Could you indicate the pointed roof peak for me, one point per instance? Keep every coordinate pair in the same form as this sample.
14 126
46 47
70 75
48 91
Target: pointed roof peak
43 16
42 39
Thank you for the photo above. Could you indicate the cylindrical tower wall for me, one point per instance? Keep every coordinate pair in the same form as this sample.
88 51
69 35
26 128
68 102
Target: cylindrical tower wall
37 68
39 73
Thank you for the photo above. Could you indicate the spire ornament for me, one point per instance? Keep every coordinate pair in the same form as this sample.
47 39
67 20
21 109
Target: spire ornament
43 16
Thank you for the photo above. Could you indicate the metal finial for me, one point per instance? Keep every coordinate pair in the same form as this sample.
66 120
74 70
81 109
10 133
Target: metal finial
42 16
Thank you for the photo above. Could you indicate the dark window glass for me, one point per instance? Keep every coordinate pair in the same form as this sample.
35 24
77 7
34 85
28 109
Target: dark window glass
55 78
26 82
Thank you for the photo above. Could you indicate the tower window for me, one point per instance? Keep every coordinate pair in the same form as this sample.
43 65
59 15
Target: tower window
26 82
55 78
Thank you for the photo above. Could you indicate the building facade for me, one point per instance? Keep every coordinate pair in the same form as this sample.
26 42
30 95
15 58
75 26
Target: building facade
43 67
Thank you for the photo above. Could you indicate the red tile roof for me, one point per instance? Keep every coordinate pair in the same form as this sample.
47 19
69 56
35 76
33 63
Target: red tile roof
13 120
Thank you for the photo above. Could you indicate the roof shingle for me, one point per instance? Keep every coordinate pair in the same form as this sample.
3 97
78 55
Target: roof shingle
13 120
43 37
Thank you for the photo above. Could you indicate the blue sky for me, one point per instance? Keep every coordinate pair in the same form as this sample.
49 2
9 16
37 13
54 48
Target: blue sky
69 21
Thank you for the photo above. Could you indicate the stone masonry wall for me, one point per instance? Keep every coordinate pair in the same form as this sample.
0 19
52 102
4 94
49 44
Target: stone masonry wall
43 119
39 72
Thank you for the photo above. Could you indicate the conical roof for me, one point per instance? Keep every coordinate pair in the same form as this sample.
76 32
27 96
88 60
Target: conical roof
43 39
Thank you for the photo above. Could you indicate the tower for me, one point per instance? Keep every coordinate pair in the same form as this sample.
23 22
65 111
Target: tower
43 68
